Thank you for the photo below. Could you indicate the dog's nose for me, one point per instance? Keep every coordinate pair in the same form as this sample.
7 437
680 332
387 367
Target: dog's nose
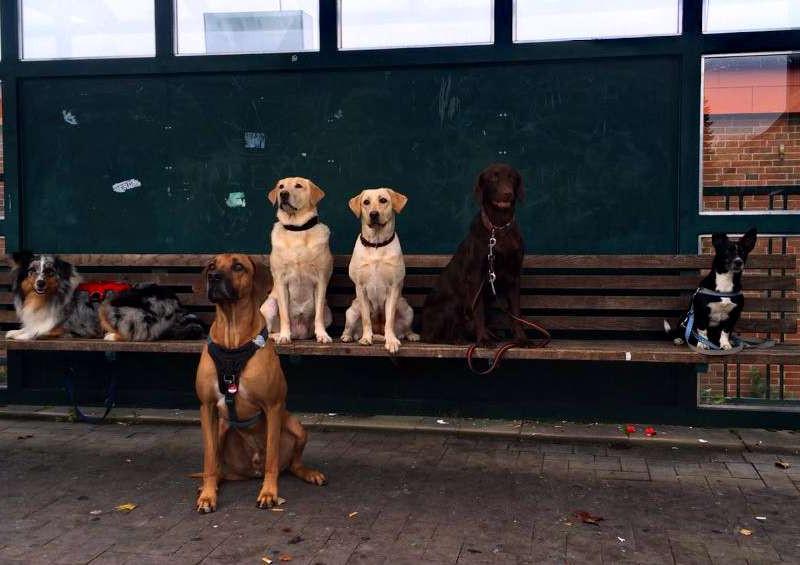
214 276
40 284
738 262
374 216
284 196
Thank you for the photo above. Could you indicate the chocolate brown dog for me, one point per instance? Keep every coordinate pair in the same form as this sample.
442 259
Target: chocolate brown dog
247 431
456 309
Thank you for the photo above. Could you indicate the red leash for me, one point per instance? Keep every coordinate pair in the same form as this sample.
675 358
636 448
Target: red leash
503 347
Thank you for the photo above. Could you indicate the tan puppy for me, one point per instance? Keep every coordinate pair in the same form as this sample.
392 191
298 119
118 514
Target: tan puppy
237 285
301 264
377 270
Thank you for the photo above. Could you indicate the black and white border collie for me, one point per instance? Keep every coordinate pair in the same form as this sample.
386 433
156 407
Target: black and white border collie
716 316
49 303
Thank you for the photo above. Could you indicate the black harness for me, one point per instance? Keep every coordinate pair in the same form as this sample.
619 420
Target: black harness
307 226
230 363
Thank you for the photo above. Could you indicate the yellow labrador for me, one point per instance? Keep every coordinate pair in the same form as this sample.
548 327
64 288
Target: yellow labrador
377 270
300 262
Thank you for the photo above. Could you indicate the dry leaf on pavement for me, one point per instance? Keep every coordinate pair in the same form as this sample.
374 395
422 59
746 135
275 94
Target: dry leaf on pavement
587 518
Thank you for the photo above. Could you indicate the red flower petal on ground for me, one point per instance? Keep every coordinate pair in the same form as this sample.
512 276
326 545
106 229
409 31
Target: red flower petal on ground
630 429
649 431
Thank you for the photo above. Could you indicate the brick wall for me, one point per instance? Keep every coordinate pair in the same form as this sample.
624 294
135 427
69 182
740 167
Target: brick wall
751 150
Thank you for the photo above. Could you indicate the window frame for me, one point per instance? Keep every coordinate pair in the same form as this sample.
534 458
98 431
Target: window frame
701 208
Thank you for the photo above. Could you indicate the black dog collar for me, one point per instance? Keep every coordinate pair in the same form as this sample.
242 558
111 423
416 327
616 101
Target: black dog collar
366 243
487 223
307 226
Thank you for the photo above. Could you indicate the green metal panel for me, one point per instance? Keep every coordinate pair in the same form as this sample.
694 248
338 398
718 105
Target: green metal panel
597 143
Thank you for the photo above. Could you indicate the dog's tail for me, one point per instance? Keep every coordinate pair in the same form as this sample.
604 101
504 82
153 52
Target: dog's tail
187 326
674 333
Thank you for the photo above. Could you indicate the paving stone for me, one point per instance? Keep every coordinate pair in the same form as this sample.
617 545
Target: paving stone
420 497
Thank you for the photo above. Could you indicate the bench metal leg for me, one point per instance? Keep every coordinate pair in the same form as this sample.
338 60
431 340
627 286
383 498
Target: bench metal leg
111 395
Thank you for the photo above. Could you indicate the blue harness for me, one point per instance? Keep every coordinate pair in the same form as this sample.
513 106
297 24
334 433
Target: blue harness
688 323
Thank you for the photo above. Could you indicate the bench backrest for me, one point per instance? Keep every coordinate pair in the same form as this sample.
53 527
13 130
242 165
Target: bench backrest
568 294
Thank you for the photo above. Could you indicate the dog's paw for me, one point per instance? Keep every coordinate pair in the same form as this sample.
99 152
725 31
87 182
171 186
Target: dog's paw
309 475
366 339
392 344
267 498
725 344
206 502
281 338
16 334
701 345
412 337
323 337
111 336
346 338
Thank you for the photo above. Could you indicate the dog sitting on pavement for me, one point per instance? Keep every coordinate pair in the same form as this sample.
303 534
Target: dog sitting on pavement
378 271
247 431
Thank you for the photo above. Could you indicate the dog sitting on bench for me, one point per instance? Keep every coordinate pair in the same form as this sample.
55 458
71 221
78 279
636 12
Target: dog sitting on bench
718 302
51 301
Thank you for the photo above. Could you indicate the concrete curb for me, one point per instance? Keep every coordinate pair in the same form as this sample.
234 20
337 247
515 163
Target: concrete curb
751 440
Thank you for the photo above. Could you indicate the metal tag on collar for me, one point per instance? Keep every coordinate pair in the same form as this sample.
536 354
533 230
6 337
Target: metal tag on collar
259 341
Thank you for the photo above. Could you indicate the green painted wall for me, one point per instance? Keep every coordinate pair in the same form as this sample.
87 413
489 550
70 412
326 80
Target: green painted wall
596 141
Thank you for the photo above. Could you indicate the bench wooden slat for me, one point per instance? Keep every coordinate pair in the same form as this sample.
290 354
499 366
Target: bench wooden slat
576 350
439 261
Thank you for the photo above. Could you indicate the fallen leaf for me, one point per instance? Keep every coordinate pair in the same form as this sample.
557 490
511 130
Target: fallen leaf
286 530
281 501
267 560
295 540
26 436
621 540
352 514
278 509
587 518
745 532
285 557
440 421
781 464
761 518
95 512
649 431
125 508
701 440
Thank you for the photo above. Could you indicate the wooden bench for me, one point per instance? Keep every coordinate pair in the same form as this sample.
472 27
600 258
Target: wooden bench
598 307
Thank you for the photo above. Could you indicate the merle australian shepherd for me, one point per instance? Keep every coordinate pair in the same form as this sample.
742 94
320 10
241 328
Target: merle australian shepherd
50 304
716 314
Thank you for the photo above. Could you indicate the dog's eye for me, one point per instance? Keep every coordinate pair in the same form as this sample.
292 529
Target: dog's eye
280 186
238 267
298 186
366 202
382 200
49 272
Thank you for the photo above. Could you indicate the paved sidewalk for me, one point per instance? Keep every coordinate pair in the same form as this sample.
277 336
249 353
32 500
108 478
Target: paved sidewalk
392 498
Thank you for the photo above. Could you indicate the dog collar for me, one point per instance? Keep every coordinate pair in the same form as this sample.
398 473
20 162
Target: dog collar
307 226
366 243
487 223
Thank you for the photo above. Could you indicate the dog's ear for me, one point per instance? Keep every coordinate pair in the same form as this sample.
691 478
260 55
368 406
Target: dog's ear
21 259
719 239
65 270
317 193
272 195
262 280
399 201
355 204
519 187
748 240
